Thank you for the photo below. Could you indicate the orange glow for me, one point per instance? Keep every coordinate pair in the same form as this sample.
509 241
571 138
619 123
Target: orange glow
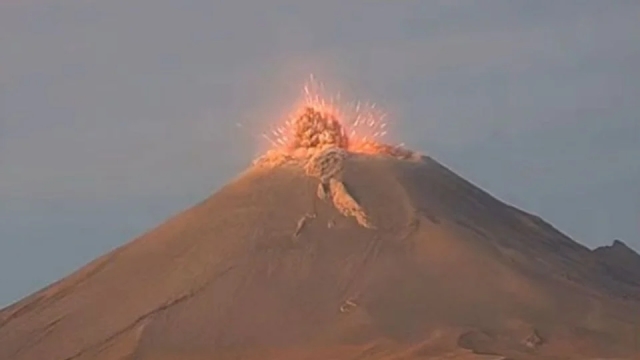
319 122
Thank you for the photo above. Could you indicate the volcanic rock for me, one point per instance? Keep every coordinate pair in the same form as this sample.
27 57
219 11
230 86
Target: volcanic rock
267 269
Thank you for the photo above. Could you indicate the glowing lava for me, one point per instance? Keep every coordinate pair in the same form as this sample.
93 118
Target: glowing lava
320 122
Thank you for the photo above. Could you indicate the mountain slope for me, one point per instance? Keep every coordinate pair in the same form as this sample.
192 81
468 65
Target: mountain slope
620 261
265 268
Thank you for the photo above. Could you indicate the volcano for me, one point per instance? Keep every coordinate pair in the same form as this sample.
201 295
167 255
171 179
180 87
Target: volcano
323 249
266 268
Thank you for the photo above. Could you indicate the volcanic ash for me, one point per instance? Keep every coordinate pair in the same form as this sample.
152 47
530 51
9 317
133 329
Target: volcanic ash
319 137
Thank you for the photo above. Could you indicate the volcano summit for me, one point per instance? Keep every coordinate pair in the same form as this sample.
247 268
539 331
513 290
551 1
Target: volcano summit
334 245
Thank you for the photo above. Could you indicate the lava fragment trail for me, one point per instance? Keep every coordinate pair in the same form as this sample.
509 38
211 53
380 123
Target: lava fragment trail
319 122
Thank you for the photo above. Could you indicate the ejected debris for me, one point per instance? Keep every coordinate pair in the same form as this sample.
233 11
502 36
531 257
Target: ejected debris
302 223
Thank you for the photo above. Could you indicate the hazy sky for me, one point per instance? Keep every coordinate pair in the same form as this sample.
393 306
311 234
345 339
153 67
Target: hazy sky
114 115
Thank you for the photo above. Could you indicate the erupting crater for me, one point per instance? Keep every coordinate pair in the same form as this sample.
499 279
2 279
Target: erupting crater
321 134
319 123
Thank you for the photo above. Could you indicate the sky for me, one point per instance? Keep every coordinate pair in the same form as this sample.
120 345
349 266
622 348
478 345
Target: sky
116 115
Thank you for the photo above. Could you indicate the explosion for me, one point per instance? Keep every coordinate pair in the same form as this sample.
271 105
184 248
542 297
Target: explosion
319 123
320 135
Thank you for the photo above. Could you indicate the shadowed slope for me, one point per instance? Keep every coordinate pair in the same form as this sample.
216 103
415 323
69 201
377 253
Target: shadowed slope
266 269
621 260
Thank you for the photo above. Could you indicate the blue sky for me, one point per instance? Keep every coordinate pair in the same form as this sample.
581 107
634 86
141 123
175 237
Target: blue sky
115 115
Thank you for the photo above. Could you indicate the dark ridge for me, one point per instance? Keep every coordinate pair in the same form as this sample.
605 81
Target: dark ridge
620 261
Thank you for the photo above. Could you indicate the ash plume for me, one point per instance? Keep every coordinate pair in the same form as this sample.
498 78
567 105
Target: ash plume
320 134
320 122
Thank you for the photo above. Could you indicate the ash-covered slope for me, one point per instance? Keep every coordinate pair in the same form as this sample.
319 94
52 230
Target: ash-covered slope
269 268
